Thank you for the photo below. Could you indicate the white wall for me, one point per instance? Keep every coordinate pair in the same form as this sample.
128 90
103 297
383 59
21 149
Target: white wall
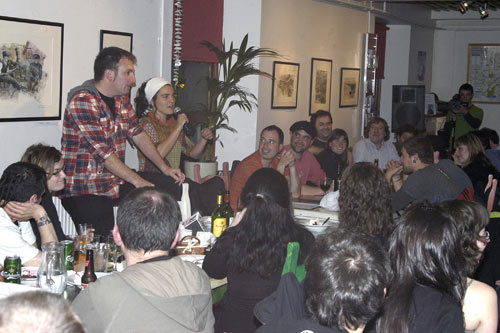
240 17
83 21
397 52
301 30
450 58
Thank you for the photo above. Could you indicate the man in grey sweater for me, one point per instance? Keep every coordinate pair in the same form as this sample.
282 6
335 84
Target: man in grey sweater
426 180
155 292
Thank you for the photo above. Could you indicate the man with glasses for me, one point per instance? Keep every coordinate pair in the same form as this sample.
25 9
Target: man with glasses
267 156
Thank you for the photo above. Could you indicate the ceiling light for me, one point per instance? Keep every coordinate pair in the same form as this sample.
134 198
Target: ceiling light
463 6
482 11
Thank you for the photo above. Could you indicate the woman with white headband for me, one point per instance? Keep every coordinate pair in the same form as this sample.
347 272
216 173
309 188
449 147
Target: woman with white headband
163 127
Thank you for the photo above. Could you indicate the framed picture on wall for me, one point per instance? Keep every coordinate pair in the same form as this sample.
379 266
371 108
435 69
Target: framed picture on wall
31 56
285 85
349 87
119 39
483 71
321 80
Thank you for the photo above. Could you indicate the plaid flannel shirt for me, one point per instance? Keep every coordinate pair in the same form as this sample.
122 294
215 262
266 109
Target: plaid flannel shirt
91 133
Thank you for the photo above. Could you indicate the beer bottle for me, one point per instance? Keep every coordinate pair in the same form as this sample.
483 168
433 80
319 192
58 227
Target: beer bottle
89 274
336 181
227 209
219 220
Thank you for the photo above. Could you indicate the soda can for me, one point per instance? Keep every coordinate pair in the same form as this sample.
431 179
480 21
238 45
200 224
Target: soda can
68 254
12 269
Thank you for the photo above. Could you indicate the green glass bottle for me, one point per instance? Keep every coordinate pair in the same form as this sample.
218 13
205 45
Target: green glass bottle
219 220
229 212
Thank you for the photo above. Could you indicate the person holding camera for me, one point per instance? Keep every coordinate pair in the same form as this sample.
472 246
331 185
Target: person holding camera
463 116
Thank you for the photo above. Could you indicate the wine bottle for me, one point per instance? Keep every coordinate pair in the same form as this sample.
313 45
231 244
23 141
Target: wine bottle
89 274
229 212
219 220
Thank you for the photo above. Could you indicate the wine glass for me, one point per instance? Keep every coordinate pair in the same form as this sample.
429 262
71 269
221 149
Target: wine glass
114 250
325 184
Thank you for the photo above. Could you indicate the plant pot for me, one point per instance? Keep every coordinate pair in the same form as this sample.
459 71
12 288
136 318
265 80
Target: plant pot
206 169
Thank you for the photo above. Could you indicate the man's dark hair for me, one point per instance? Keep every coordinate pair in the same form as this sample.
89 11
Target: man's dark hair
378 120
319 114
406 128
491 134
108 58
420 146
347 272
20 181
466 86
148 219
276 129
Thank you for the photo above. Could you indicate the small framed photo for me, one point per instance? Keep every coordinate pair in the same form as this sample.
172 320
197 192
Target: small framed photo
285 85
321 81
349 87
119 39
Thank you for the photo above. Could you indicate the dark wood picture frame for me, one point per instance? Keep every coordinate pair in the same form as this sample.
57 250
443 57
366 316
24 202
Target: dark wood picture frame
31 67
285 86
321 85
349 87
119 39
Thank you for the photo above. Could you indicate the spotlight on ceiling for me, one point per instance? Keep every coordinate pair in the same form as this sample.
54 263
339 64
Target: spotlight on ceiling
482 11
463 6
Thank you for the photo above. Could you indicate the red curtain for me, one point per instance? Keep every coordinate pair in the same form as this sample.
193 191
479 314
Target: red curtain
381 31
201 20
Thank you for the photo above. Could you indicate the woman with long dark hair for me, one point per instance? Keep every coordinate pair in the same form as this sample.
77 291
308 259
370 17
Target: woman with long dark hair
427 288
480 300
336 157
365 201
251 253
154 105
470 156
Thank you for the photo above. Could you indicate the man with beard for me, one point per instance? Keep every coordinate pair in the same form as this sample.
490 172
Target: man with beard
267 156
309 173
375 146
322 121
426 181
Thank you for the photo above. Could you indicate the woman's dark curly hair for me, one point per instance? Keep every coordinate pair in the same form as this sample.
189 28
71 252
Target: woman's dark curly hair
365 200
259 241
470 217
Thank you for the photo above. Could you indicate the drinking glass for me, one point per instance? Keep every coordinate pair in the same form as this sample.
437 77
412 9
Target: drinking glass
325 184
52 274
114 250
100 253
86 235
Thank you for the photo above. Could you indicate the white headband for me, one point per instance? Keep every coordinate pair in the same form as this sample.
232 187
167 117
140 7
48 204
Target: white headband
153 86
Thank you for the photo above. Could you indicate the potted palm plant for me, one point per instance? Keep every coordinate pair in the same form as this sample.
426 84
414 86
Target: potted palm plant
225 91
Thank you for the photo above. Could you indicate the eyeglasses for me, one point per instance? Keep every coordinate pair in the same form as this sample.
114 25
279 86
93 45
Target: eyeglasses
485 238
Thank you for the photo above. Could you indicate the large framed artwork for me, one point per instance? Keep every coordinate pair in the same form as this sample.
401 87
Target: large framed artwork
119 39
285 85
349 87
31 59
321 80
483 72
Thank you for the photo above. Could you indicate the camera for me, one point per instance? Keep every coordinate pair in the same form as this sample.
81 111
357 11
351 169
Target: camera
455 103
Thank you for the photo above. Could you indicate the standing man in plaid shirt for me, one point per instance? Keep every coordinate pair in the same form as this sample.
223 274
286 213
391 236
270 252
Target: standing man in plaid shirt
98 120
